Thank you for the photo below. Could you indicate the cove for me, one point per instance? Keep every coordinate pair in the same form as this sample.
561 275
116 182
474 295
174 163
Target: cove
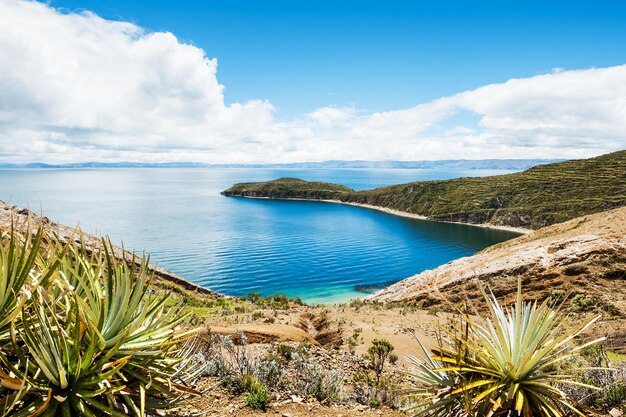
320 252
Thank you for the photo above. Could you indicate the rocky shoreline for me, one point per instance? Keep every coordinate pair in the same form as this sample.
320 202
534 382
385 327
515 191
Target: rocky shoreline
21 217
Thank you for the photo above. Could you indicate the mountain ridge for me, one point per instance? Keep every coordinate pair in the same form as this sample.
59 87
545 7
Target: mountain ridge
504 164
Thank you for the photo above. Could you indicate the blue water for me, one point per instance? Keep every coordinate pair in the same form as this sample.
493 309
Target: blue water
317 251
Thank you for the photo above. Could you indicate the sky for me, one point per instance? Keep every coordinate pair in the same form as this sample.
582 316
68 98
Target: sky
234 81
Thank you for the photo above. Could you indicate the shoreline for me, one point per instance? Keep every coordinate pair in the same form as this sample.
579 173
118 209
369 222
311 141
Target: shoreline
520 230
11 214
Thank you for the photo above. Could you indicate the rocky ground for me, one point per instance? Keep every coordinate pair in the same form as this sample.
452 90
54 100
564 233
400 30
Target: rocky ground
336 338
221 403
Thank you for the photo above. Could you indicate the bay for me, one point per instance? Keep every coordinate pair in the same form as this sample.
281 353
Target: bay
320 252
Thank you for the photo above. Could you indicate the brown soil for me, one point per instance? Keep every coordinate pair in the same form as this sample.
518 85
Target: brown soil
218 402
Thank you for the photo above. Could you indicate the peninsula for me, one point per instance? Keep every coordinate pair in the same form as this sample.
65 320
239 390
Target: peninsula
540 196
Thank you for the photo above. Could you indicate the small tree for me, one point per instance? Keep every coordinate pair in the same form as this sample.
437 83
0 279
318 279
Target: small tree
378 354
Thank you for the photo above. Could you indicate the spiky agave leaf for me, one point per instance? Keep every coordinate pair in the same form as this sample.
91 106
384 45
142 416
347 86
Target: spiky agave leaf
431 385
69 376
508 363
114 296
18 258
25 263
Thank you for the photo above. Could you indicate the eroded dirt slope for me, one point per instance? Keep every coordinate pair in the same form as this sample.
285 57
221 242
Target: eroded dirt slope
584 258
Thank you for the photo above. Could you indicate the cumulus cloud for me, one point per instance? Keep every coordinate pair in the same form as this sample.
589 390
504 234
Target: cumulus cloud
76 87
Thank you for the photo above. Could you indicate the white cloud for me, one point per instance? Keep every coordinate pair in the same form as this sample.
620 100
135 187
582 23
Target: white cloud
76 87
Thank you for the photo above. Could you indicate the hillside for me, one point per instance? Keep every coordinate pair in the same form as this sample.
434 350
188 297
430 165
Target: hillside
582 261
540 196
304 347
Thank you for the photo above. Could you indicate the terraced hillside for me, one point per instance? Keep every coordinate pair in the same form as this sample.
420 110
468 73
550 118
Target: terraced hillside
540 196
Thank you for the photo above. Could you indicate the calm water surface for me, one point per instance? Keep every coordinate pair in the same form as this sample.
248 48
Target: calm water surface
317 251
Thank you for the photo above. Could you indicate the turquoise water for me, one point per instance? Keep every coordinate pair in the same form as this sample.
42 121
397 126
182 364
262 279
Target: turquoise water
320 252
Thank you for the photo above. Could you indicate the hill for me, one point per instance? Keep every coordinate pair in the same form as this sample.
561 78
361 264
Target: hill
538 197
582 261
293 188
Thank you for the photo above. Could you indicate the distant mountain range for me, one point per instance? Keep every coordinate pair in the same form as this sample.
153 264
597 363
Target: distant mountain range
508 164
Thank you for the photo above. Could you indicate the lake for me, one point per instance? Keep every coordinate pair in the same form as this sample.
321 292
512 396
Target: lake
320 252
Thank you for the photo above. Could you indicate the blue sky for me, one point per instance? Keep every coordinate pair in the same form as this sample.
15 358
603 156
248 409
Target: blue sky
378 55
297 81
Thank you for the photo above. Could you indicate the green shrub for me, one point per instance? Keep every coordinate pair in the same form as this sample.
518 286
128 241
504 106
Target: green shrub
582 303
557 296
284 351
374 402
234 385
254 297
239 384
378 354
257 397
314 380
611 395
361 377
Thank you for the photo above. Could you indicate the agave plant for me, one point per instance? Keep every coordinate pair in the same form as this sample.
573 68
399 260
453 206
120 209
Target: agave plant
69 375
92 339
507 364
433 383
22 268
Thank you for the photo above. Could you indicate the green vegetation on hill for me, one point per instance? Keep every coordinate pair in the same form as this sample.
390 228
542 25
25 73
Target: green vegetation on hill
537 197
289 188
